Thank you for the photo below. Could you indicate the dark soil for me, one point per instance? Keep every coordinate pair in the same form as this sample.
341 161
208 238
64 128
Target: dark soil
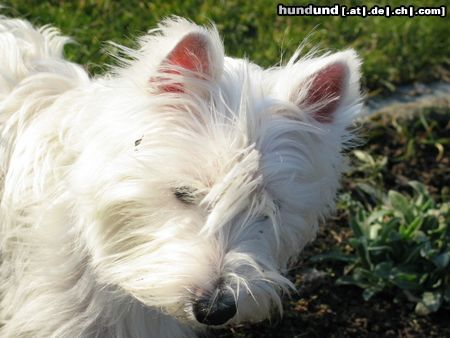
417 149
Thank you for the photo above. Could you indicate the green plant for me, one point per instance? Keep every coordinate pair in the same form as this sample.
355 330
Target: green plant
400 244
372 166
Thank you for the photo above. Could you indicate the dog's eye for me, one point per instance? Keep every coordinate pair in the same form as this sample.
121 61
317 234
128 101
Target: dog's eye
185 194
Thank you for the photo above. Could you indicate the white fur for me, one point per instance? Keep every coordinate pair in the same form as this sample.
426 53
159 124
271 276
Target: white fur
93 241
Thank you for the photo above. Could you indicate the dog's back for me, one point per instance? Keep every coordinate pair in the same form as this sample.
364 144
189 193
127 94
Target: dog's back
22 49
33 73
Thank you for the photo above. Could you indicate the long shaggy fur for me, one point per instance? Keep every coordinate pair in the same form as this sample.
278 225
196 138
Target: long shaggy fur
94 242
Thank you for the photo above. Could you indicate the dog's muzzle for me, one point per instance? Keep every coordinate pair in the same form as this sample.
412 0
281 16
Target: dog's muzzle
214 308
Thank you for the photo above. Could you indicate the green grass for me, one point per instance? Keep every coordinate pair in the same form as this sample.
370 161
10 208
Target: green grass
395 50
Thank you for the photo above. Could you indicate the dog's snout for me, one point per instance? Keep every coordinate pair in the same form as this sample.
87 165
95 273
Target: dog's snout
214 308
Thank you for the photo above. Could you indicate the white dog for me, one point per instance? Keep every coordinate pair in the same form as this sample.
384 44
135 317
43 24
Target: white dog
167 196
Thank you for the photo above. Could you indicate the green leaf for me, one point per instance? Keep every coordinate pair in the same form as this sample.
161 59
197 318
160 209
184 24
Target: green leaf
334 255
413 226
446 294
374 193
360 277
414 254
383 270
401 243
349 280
376 216
425 205
397 200
428 252
365 274
423 278
441 261
369 293
418 187
437 284
405 280
374 231
401 204
375 248
356 223
431 301
363 252
364 156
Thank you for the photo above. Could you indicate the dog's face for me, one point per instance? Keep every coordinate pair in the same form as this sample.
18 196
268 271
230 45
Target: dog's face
212 173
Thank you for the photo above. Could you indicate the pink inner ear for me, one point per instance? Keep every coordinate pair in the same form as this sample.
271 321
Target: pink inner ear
191 53
328 84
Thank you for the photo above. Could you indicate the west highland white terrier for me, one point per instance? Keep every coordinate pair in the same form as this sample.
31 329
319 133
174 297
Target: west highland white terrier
167 196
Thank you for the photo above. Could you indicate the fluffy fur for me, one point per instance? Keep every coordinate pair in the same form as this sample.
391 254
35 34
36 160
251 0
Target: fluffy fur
122 196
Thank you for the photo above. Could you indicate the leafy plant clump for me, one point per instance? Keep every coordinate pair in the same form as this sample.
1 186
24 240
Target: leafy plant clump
401 246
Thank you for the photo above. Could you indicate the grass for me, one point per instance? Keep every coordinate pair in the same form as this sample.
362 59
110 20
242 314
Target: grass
395 50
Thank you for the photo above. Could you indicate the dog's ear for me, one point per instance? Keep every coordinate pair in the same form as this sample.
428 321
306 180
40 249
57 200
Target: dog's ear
327 87
194 57
325 91
178 56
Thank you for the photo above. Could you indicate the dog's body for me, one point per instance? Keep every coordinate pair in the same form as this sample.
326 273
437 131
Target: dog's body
168 196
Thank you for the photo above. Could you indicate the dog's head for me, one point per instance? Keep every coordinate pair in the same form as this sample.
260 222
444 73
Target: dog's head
210 174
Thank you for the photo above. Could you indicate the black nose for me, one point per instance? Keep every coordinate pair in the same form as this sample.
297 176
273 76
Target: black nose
216 308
